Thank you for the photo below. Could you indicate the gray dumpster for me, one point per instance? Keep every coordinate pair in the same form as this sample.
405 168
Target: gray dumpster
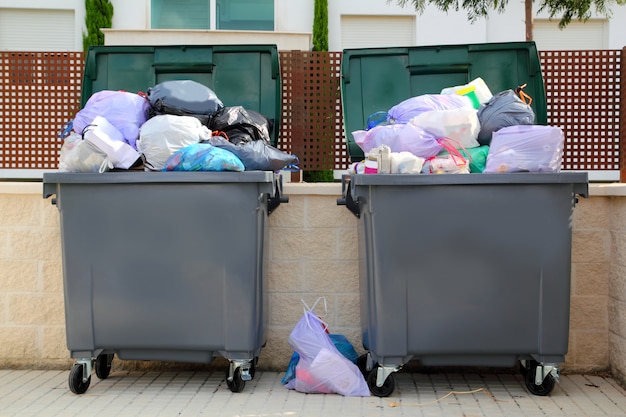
169 266
458 270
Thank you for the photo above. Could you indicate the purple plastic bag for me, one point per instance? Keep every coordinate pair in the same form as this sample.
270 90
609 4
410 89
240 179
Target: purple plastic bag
405 137
126 111
321 367
406 110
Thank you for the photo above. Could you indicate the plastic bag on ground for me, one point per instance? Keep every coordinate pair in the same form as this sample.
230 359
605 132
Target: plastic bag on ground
203 157
126 111
163 135
526 148
321 367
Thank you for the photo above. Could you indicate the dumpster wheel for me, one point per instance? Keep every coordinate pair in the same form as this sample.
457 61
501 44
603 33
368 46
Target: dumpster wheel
103 365
77 384
543 389
237 384
387 388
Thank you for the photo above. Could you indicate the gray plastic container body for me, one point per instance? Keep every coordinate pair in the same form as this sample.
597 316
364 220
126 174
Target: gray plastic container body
164 265
465 270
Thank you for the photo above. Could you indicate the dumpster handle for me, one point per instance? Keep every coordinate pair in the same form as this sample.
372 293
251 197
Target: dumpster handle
348 201
274 202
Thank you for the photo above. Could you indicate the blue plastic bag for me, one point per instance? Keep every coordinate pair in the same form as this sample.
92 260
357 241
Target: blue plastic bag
203 157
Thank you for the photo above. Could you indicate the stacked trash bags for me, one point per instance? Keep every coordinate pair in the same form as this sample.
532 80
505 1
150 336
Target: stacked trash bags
464 129
178 125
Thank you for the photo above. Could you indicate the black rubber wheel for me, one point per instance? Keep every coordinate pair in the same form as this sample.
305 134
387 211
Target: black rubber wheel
75 380
237 384
361 363
103 365
388 386
546 386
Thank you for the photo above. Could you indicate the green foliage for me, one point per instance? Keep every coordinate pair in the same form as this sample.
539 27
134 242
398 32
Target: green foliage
318 176
566 9
98 14
320 26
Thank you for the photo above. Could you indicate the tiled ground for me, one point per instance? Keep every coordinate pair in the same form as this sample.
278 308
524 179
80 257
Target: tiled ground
164 394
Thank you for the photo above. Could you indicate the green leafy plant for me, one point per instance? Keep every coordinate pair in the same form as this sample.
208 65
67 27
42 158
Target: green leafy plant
98 15
320 25
566 9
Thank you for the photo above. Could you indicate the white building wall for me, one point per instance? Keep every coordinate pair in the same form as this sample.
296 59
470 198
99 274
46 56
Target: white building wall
432 28
77 5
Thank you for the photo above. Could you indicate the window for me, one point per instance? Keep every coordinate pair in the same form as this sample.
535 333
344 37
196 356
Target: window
180 14
229 14
245 14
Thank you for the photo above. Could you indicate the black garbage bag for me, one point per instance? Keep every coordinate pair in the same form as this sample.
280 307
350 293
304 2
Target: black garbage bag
242 125
184 98
257 155
502 110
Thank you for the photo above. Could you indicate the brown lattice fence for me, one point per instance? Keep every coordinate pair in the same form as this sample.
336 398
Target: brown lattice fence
40 92
583 92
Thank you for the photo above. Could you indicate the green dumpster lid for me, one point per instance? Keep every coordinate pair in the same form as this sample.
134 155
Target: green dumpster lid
376 79
240 75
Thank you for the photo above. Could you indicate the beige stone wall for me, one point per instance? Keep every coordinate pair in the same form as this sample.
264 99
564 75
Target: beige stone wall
313 252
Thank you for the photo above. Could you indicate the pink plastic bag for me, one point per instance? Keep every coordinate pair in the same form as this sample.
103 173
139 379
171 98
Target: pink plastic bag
126 111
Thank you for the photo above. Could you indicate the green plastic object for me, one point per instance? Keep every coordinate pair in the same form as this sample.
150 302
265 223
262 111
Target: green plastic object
376 79
240 75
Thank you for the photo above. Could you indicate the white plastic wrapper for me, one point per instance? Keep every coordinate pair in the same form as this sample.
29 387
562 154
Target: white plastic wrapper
163 135
406 163
78 155
526 148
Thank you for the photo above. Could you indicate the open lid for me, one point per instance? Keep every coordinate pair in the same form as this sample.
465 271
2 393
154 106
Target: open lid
240 75
376 79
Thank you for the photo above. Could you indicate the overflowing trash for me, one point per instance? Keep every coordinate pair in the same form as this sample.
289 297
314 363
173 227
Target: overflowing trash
178 125
464 129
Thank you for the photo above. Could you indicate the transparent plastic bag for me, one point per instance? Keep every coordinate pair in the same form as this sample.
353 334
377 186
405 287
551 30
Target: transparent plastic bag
404 111
461 125
78 155
400 138
526 148
321 368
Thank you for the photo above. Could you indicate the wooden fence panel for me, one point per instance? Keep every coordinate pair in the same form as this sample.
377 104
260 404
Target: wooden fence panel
40 92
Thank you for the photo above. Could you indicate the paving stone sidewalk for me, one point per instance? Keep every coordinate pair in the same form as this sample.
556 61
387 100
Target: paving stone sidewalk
33 393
